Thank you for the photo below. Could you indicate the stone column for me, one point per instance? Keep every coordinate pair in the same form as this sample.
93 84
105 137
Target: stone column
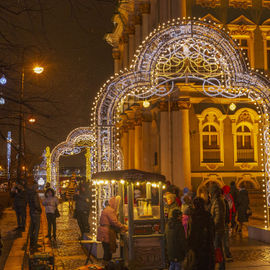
145 10
124 140
183 8
163 11
125 52
131 44
138 31
165 156
137 136
131 135
181 145
146 142
116 58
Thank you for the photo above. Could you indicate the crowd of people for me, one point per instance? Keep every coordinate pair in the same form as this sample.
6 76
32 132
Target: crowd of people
198 227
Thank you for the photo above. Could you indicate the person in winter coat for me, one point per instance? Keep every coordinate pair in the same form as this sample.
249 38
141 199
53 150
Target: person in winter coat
243 205
50 204
175 241
170 205
186 209
82 208
19 194
229 204
35 211
235 194
218 211
201 237
108 227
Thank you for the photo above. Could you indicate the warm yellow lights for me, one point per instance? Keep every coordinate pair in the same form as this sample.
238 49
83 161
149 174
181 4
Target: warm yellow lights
32 120
38 69
232 107
146 104
122 181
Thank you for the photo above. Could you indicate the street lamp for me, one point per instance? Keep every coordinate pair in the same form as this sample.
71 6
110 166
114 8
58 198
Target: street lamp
37 70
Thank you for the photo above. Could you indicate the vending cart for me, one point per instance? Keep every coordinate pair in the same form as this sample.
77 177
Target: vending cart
142 210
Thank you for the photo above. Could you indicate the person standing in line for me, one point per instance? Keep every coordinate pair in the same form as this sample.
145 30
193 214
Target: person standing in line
19 194
70 193
228 214
235 194
82 208
201 237
50 204
186 210
170 205
217 211
176 244
243 206
35 211
108 228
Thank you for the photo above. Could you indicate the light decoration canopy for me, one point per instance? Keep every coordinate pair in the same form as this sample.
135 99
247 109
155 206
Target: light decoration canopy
232 107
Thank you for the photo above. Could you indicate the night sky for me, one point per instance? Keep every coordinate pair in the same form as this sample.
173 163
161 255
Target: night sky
77 60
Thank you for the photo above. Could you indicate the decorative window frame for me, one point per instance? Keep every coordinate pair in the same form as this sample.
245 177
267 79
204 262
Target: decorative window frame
254 129
265 30
213 112
248 178
266 3
243 28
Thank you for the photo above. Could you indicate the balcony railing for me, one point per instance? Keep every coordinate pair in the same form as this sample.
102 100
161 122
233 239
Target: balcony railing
245 155
211 155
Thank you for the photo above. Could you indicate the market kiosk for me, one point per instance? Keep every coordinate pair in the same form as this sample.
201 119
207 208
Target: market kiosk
144 214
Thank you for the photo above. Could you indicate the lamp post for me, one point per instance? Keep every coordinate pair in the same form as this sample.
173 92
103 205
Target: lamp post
37 70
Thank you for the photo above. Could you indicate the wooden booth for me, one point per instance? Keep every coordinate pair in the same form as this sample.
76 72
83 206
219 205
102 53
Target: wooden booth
141 208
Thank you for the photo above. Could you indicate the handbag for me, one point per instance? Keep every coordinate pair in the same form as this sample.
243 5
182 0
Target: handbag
249 212
57 213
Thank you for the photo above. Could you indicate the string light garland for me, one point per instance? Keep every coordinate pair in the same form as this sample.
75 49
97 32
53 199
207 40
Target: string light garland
181 50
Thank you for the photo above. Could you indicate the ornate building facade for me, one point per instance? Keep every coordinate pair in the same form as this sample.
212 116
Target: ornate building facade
190 138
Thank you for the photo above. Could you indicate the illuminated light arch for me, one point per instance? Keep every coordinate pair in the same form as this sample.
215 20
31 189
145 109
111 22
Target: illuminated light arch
77 139
181 50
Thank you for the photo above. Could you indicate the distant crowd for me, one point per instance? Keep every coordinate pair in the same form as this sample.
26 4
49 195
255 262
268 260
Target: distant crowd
198 227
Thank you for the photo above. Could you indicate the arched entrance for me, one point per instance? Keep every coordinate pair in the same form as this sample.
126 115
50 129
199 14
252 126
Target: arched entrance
77 140
190 52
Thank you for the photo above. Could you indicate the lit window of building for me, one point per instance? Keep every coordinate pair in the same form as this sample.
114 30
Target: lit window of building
265 30
211 137
245 136
242 29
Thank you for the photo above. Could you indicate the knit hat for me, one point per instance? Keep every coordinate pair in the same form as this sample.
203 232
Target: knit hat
186 190
226 189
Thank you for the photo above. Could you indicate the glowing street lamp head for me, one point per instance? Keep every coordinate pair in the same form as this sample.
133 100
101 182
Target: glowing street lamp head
3 80
146 104
232 107
38 69
32 120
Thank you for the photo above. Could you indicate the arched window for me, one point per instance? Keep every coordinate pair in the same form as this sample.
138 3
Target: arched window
211 149
244 144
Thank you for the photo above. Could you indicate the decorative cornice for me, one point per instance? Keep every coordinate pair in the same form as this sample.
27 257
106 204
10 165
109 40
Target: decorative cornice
184 104
144 8
240 3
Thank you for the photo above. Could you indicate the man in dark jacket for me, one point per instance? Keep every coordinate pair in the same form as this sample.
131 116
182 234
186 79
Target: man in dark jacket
218 212
35 211
243 205
201 237
82 208
175 240
235 194
18 193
